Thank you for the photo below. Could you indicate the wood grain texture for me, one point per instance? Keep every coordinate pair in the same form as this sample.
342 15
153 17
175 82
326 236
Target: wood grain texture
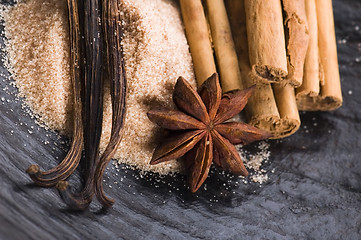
314 192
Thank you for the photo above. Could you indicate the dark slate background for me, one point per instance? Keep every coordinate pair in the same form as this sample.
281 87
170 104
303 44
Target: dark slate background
314 192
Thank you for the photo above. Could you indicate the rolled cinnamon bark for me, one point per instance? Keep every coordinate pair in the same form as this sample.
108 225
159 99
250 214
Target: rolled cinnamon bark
267 51
272 109
226 56
198 39
313 77
328 95
297 36
287 108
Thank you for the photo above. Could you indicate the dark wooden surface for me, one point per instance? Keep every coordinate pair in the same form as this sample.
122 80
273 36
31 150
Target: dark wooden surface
314 192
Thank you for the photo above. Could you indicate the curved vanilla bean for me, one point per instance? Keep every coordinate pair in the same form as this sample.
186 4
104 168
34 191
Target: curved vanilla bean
113 34
70 162
92 104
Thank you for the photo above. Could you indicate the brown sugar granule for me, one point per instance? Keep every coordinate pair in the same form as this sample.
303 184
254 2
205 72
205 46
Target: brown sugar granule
38 51
156 54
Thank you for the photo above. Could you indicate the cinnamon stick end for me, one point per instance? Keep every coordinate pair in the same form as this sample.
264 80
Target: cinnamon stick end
318 103
269 74
278 127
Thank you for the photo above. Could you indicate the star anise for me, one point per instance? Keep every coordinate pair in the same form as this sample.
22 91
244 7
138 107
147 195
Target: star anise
200 131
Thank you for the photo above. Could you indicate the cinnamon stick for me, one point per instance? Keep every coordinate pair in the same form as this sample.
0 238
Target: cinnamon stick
267 51
226 55
297 37
287 107
270 108
313 77
327 95
198 39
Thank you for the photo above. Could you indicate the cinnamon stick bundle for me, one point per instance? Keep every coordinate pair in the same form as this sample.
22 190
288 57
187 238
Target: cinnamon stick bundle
271 107
321 88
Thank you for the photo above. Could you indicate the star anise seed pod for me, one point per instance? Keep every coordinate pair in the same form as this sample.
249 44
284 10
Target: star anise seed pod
199 131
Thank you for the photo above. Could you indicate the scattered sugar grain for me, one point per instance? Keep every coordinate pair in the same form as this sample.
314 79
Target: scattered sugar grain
259 178
255 162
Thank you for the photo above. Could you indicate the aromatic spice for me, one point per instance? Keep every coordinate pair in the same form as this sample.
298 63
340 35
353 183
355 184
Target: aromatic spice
116 71
198 39
155 51
92 99
321 90
67 166
200 131
225 51
297 39
271 108
87 75
266 40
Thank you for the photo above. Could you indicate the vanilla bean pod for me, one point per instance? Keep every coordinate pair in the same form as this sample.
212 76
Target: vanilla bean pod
116 72
70 162
92 99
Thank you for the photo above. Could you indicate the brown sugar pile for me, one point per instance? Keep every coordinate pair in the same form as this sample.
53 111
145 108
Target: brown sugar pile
38 51
156 54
